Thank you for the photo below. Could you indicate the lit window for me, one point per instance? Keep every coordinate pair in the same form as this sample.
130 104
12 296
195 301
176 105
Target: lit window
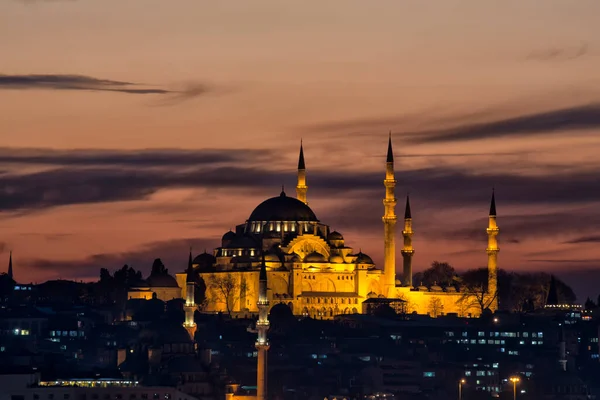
428 374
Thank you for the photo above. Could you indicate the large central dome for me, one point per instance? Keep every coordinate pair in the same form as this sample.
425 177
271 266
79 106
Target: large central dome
282 208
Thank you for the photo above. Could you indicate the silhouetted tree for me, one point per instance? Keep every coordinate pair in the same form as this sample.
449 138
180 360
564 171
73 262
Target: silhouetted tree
440 273
199 290
226 289
474 288
158 268
589 304
113 289
174 311
7 285
517 291
435 307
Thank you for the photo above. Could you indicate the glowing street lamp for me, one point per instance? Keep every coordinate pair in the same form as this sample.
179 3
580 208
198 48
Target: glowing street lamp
515 380
460 383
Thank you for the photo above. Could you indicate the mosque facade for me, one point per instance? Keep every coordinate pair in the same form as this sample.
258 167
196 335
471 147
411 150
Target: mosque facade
311 269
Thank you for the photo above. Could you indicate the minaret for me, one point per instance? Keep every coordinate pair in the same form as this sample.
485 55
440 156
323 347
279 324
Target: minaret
492 251
562 350
10 270
190 304
389 225
301 187
407 249
262 342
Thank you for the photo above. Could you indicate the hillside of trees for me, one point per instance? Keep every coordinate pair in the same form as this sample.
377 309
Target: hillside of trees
517 291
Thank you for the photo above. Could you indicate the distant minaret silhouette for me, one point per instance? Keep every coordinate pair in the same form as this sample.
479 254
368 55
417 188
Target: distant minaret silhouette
190 303
407 249
262 341
492 251
562 349
301 187
389 224
10 268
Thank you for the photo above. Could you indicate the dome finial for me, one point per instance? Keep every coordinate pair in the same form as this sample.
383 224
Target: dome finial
282 194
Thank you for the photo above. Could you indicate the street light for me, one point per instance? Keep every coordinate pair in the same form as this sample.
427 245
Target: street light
460 383
515 380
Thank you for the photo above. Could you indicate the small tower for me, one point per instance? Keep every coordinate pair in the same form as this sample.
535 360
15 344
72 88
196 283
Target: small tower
262 341
407 249
492 251
301 187
10 269
190 304
389 224
562 349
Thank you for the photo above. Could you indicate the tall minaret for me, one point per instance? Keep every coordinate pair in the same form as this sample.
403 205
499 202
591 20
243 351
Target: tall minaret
562 349
190 304
10 270
262 342
407 249
301 187
492 251
389 225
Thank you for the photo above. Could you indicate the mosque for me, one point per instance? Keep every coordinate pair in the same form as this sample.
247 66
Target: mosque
312 271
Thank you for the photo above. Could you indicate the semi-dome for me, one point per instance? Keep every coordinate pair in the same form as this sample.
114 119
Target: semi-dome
362 258
315 257
335 235
162 280
295 258
282 208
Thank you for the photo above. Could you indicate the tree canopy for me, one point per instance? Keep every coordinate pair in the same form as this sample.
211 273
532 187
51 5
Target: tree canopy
439 273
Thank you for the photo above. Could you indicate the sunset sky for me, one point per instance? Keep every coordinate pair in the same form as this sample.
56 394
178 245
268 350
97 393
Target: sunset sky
134 129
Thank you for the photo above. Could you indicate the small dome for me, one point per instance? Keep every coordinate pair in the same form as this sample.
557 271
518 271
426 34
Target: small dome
295 258
315 257
282 208
204 259
228 236
336 258
335 235
163 280
362 258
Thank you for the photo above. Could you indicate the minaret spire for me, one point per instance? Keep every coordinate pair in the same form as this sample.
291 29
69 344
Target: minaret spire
389 224
190 302
301 187
492 251
390 153
10 268
407 249
262 326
